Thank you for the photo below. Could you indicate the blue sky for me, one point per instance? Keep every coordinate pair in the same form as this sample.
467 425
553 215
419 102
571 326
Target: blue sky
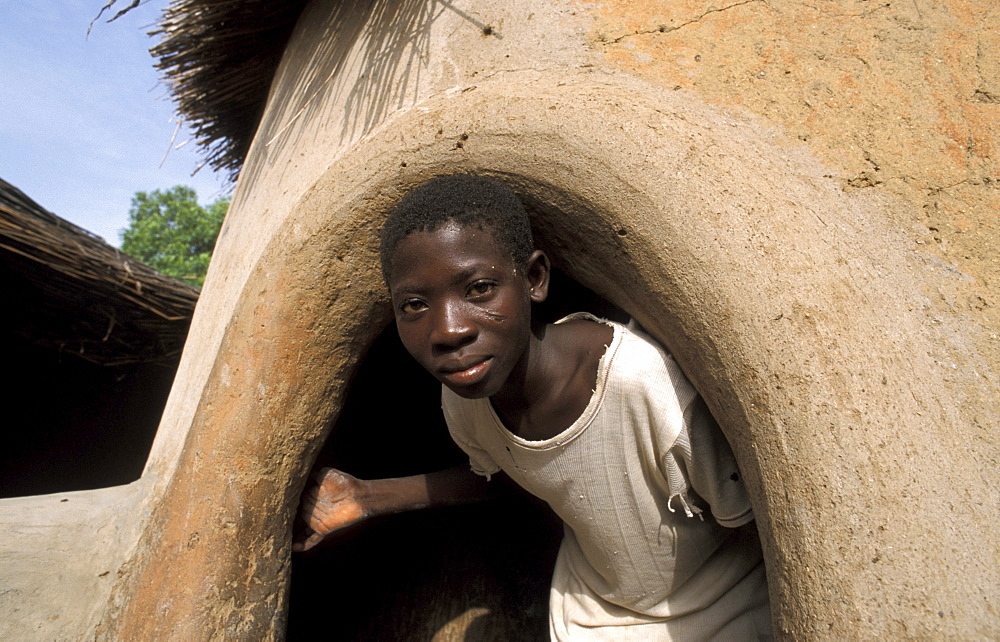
85 122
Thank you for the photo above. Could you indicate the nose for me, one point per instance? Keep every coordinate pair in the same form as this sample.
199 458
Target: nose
452 328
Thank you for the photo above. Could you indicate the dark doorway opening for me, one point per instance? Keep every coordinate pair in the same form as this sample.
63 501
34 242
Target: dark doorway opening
486 568
74 425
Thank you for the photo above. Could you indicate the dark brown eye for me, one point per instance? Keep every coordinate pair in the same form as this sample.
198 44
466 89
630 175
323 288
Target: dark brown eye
479 288
410 306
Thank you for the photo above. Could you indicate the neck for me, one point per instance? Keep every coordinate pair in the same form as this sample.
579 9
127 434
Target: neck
553 386
525 388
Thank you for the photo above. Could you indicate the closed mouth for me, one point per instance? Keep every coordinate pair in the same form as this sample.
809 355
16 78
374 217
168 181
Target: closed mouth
466 373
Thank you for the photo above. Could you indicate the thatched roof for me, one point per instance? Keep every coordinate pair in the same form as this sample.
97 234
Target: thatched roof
66 289
219 57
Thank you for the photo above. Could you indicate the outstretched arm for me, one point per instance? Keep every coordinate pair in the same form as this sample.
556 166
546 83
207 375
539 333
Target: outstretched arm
338 500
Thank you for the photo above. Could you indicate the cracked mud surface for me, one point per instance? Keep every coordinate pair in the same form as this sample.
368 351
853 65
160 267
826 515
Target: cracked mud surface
898 98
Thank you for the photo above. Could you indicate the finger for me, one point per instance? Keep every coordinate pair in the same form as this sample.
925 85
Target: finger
298 544
313 540
321 475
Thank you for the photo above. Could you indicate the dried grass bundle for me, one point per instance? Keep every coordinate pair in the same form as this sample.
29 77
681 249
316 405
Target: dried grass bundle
219 57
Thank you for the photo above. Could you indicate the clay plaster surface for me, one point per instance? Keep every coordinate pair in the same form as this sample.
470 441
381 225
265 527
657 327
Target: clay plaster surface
59 558
900 100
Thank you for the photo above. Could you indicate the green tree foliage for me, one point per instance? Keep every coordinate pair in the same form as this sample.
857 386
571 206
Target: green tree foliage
170 232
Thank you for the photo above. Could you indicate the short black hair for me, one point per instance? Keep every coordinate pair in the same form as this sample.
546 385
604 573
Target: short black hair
465 200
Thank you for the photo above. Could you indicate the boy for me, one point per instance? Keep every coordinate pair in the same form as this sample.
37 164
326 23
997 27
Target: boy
591 416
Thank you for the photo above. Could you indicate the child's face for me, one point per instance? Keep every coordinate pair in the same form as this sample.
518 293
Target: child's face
463 309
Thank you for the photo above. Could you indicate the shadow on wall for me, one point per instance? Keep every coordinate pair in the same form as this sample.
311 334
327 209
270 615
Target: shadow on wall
395 37
481 570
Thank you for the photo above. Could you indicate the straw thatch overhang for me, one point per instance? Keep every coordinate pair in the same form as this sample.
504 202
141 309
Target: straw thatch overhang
219 57
68 290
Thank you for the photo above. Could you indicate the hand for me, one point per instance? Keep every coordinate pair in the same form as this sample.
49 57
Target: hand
335 502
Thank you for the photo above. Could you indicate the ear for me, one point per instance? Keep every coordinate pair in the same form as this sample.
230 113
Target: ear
537 274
